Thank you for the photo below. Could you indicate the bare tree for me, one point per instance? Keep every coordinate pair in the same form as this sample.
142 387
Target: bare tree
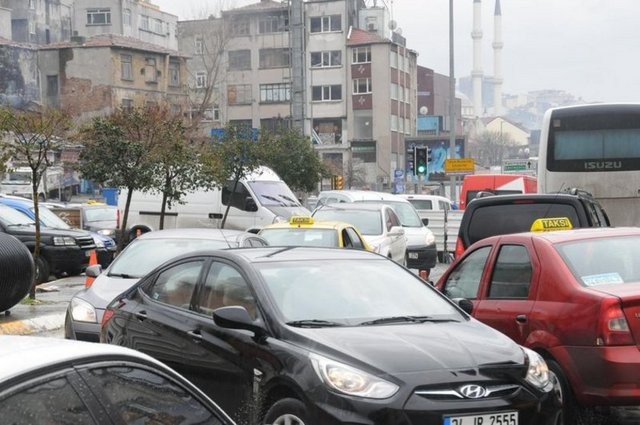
32 137
490 148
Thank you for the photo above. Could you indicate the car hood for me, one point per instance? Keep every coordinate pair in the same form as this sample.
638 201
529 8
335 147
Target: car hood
47 231
104 289
414 348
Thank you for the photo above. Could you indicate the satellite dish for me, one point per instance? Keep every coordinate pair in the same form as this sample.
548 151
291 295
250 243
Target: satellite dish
393 25
424 110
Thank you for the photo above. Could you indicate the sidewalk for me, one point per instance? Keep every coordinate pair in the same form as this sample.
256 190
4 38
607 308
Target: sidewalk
48 314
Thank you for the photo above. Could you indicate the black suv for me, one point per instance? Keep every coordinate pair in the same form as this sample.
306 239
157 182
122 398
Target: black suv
62 252
502 214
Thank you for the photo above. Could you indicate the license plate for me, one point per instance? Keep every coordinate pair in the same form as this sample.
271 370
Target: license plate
502 418
413 255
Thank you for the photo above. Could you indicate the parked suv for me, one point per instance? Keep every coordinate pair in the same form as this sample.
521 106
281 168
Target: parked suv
502 214
61 251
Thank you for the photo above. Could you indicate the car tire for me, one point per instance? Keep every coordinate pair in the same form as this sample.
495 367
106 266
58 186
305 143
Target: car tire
289 411
42 270
563 394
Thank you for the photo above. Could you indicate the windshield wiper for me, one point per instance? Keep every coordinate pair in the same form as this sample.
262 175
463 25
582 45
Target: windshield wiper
313 323
274 199
405 319
293 201
122 275
20 224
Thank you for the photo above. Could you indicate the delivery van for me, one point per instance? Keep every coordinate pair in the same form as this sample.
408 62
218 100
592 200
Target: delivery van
259 199
496 184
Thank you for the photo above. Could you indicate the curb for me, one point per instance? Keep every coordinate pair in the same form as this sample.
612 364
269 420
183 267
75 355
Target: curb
30 326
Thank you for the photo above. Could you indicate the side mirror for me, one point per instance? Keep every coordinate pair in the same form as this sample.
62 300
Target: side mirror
250 204
396 231
425 221
93 271
465 304
236 317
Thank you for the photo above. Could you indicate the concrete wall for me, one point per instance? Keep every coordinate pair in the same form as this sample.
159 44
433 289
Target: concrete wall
19 84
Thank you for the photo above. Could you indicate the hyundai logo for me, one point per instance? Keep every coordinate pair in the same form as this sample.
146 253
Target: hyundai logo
473 391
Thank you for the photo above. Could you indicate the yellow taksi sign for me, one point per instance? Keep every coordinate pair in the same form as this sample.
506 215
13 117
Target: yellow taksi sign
552 223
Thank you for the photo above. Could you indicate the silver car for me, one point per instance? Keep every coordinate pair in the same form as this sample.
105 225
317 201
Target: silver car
145 253
47 380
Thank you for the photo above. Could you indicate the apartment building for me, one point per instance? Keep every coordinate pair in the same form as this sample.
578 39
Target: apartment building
93 76
140 19
360 84
36 21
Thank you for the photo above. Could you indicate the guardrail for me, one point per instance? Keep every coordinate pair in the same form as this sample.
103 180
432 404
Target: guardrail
443 228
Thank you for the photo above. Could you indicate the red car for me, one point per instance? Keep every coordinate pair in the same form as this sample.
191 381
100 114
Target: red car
573 296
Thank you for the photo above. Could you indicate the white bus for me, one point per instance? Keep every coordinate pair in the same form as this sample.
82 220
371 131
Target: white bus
595 148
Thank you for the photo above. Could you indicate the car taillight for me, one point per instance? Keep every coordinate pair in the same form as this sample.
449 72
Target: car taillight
613 328
459 247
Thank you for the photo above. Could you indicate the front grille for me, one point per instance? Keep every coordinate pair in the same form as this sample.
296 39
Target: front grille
85 242
453 393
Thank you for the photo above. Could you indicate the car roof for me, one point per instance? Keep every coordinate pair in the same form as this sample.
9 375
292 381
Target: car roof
561 236
192 233
319 224
424 196
347 206
293 253
21 354
533 197
366 195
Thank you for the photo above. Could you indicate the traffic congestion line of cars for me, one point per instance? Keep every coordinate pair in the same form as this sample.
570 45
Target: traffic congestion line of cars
305 335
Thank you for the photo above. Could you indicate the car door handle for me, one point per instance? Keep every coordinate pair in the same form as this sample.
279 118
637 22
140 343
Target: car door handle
141 315
521 318
196 335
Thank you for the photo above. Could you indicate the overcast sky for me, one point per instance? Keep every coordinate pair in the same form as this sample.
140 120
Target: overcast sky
589 48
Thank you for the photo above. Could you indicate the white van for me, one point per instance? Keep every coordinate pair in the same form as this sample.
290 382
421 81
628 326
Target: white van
422 252
259 199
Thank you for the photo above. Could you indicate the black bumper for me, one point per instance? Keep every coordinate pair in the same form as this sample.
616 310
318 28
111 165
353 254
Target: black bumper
65 259
422 257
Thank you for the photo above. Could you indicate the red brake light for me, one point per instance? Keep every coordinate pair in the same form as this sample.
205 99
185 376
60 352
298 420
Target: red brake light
459 247
613 328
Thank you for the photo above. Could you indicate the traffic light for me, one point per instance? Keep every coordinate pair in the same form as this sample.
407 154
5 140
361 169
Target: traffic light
428 154
338 182
421 161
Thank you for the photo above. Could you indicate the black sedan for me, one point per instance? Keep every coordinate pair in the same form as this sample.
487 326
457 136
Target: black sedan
327 336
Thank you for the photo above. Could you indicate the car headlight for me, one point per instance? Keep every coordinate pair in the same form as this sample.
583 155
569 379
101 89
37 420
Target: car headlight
107 232
82 311
538 372
98 242
63 240
351 381
431 239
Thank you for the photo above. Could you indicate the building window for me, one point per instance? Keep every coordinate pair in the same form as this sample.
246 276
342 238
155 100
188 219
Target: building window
273 23
199 46
275 93
211 114
242 124
32 4
98 16
328 130
239 94
174 74
126 17
150 70
274 124
274 58
52 85
239 59
144 23
127 104
326 23
176 109
326 59
32 27
361 55
126 69
158 26
240 26
201 79
326 93
362 85
394 123
364 151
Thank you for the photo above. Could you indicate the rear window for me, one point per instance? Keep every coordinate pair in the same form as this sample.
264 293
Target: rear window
422 204
473 194
514 218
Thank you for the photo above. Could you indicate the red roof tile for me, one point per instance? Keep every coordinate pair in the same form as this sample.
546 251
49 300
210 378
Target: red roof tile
359 37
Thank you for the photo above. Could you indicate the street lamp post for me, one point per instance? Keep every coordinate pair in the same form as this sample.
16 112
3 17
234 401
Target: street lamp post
452 105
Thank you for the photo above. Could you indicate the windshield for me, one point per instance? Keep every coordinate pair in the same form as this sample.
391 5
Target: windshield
596 262
11 217
144 255
406 213
274 193
350 291
101 214
17 178
50 219
300 237
367 222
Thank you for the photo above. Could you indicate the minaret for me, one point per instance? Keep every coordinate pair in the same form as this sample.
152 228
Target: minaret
497 60
476 73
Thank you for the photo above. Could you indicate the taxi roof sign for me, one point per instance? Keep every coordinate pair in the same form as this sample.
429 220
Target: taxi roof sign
298 220
551 223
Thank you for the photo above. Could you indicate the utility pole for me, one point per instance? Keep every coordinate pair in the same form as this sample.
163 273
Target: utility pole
296 31
452 103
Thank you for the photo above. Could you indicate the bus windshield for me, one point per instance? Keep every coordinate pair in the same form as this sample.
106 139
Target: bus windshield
597 144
